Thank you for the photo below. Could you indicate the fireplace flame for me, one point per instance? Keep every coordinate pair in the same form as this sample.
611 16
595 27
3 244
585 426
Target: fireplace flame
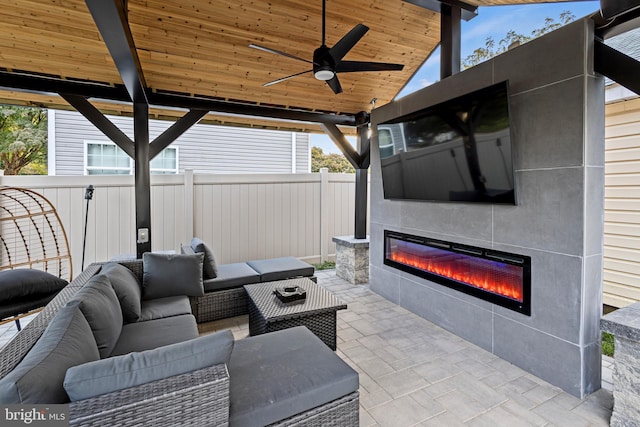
492 276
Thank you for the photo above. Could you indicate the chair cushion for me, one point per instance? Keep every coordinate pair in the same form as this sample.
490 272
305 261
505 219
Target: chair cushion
152 334
24 304
99 304
38 378
232 276
169 275
281 268
127 288
209 267
24 282
280 374
129 370
165 307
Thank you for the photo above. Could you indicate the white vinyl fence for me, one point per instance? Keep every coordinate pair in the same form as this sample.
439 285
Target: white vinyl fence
241 217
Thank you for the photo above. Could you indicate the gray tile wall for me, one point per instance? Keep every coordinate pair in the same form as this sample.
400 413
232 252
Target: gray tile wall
557 112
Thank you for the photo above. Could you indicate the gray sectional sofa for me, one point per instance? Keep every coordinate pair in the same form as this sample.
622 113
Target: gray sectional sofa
223 283
121 346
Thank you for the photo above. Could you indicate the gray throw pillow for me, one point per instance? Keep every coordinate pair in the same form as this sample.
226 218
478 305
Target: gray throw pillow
170 275
127 288
129 370
209 267
38 378
25 282
99 304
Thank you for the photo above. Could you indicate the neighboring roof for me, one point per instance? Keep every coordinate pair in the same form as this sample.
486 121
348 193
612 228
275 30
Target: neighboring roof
627 43
200 47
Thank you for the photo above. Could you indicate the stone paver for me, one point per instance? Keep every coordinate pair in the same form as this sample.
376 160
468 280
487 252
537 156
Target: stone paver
414 373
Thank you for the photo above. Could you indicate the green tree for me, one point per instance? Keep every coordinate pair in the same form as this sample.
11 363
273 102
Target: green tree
492 49
23 140
336 163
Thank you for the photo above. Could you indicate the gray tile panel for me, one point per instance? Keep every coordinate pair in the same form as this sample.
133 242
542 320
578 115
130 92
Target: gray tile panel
521 345
594 127
555 281
554 57
594 210
550 131
549 214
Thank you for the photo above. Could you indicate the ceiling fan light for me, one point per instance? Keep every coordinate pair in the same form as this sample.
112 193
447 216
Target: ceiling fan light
324 75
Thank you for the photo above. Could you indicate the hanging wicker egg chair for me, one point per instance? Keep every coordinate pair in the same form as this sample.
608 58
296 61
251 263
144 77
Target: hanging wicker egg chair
31 236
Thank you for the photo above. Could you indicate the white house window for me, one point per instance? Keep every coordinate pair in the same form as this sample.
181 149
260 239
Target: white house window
106 158
166 162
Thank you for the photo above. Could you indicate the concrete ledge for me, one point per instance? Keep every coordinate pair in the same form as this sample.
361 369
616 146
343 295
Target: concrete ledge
351 242
624 324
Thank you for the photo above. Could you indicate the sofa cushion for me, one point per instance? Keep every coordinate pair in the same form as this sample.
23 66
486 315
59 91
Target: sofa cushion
281 268
152 334
169 275
232 276
165 307
127 288
24 282
280 374
129 370
38 378
209 267
99 304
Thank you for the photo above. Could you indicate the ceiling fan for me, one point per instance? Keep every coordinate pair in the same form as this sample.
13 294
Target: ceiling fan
327 62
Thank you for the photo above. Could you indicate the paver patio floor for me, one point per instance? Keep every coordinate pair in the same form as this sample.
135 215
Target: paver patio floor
414 373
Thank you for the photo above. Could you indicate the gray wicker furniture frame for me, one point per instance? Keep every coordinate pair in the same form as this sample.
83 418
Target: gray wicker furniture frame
198 398
219 305
343 412
222 304
318 312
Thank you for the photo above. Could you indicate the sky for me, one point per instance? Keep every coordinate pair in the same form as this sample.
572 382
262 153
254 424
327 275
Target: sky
492 21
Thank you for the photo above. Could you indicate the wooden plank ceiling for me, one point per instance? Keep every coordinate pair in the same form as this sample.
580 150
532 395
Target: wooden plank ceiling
200 47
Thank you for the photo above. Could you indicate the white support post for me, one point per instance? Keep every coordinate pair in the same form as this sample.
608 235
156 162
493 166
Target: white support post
188 205
324 214
51 142
294 167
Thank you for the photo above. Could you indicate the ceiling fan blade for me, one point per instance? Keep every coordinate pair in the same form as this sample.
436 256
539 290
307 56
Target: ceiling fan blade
286 78
277 52
354 66
340 49
334 84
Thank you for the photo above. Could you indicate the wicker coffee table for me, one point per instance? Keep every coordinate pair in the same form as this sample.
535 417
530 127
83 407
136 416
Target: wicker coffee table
318 312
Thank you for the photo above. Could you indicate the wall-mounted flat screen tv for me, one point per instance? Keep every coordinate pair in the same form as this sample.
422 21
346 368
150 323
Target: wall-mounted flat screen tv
455 151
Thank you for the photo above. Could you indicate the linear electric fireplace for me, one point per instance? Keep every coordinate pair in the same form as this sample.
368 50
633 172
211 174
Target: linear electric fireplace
498 277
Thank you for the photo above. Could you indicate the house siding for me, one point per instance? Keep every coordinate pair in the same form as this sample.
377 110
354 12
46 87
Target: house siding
621 278
203 148
302 153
